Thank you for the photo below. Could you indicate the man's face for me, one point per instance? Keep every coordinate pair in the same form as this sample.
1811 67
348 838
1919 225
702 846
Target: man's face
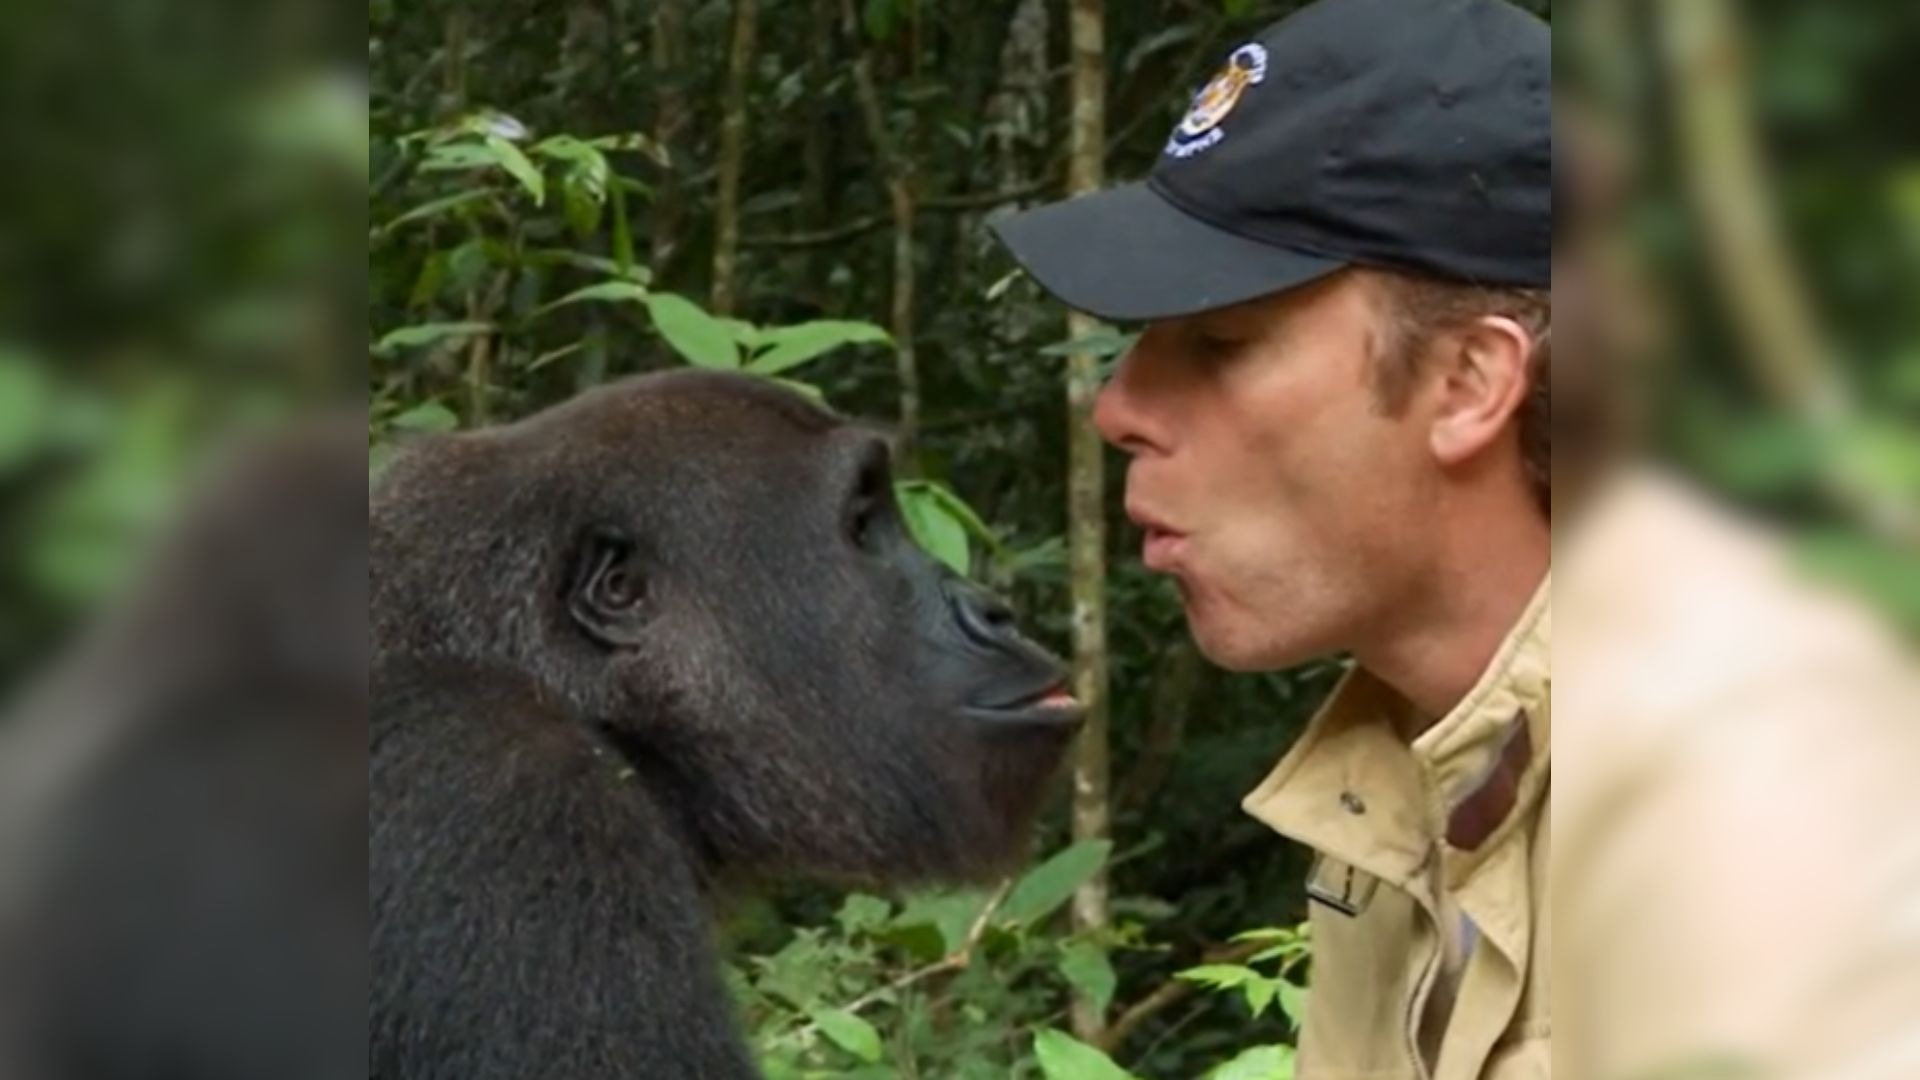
1272 486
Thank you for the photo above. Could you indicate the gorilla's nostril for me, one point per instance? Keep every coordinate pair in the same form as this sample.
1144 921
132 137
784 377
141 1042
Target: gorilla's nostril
997 614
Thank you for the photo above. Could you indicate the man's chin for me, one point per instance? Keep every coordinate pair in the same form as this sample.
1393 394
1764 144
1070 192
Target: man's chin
1244 653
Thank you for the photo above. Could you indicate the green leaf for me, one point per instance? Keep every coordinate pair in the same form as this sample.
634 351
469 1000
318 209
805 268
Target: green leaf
635 141
1267 933
790 346
427 418
699 337
1259 994
436 207
952 503
850 1033
433 274
427 333
1219 976
581 204
26 397
516 163
1100 343
1063 1057
622 234
1258 1063
940 533
454 157
861 912
605 291
570 149
806 390
744 332
951 914
1086 967
555 355
580 260
1293 1002
1053 882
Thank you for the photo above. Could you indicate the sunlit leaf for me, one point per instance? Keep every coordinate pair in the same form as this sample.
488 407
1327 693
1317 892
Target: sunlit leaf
436 207
850 1033
1258 1063
1086 967
807 390
427 418
515 162
1063 1057
935 529
1259 994
635 141
1293 1002
454 157
605 291
1100 343
1047 886
622 233
1219 976
427 333
697 336
861 912
790 346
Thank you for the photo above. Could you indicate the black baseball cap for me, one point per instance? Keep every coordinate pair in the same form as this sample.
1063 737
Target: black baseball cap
1407 134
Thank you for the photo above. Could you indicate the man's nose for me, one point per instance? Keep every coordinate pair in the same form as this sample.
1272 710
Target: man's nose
1120 413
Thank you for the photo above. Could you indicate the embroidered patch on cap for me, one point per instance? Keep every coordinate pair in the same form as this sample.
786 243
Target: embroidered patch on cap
1200 128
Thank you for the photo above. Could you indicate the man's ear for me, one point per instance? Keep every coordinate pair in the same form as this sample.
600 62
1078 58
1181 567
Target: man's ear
1482 374
607 594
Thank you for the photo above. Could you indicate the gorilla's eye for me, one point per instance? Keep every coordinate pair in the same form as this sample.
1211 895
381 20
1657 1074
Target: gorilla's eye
617 588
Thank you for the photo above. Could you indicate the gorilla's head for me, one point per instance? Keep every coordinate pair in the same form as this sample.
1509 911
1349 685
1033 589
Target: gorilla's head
712 572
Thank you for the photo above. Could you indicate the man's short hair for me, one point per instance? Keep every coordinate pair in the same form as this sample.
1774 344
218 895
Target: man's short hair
1419 306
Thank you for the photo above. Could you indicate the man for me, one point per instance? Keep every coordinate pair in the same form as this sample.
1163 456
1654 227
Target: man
1337 419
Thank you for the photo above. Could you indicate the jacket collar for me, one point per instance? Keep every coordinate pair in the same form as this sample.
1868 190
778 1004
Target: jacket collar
1352 789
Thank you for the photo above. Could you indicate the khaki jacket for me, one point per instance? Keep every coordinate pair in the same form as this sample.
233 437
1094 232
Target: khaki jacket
1431 881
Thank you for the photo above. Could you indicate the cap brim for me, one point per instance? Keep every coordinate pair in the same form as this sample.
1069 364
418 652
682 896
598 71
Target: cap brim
1129 255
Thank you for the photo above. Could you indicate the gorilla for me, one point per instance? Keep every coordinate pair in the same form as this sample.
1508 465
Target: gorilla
658 643
183 794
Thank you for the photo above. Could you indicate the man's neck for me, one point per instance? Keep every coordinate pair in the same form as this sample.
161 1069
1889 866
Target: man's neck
1442 642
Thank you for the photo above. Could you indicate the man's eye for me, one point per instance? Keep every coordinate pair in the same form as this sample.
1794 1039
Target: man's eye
1213 346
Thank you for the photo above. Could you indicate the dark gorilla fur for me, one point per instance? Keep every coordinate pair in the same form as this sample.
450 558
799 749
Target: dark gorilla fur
664 638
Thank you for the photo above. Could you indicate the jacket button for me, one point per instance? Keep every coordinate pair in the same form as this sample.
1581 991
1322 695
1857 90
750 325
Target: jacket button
1352 803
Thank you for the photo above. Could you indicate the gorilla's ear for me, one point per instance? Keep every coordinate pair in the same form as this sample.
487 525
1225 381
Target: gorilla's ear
607 597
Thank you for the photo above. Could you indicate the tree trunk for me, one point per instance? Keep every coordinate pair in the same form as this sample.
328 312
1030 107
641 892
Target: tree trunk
1016 113
1086 521
1018 109
897 173
814 156
669 121
733 138
454 92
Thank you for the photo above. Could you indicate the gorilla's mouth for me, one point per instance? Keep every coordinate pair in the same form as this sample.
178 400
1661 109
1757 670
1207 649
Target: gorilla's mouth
1051 705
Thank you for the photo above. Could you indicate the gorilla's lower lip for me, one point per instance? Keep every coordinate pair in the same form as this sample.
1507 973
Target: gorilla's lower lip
1052 706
